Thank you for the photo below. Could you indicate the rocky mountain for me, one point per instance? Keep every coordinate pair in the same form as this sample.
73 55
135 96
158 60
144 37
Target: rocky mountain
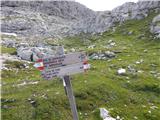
66 18
45 18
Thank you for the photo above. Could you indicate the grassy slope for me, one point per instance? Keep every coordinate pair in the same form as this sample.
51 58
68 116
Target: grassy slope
128 96
8 50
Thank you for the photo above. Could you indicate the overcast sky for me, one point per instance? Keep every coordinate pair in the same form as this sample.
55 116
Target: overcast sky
101 5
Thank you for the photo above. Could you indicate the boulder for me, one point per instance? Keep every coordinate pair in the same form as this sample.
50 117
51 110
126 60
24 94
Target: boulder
102 56
121 71
105 114
155 26
110 54
34 52
91 46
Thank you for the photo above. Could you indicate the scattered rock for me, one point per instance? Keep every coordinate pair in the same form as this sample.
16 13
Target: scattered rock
140 61
130 32
4 68
73 50
9 43
102 56
91 46
135 117
110 54
111 43
118 118
140 71
105 114
26 83
131 69
121 71
153 72
57 93
144 106
5 107
153 65
145 51
32 102
8 100
154 107
26 66
44 96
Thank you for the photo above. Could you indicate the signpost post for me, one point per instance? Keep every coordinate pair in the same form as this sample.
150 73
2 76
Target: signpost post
62 66
69 91
71 97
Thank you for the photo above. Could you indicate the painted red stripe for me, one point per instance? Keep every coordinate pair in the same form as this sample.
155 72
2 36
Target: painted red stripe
41 68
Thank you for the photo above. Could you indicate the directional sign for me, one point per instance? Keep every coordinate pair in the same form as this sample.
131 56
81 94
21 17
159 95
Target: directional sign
62 71
63 60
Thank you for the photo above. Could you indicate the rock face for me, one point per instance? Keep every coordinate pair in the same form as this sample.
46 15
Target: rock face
137 10
66 18
155 27
45 18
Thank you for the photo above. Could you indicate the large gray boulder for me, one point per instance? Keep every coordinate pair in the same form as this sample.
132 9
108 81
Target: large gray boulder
155 26
25 53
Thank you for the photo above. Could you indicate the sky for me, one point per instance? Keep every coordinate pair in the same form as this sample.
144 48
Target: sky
102 5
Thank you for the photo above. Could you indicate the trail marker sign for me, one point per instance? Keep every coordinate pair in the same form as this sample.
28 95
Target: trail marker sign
63 66
63 60
63 71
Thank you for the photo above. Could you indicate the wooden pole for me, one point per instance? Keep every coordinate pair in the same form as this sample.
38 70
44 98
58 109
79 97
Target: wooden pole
71 97
68 90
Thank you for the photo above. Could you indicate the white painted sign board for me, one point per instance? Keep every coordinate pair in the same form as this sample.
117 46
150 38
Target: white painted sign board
62 71
63 60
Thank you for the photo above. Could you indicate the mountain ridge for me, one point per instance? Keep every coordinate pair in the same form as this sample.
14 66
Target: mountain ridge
59 19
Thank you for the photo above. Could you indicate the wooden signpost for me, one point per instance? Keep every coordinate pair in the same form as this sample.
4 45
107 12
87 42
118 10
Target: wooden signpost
63 71
63 60
62 66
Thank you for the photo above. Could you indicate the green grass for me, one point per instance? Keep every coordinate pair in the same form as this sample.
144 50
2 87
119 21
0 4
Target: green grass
8 50
128 96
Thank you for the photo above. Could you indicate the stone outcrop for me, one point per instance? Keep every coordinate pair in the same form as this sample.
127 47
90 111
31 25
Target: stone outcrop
155 26
41 18
34 53
57 19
